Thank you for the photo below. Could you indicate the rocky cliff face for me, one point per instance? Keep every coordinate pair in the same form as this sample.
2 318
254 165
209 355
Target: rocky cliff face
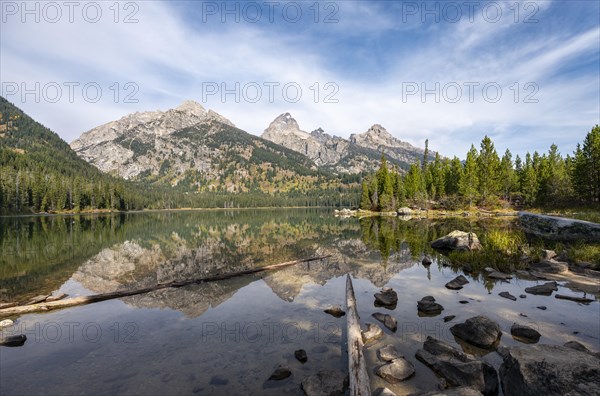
359 153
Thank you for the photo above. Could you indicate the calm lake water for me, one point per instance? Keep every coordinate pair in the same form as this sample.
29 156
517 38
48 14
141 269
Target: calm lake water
228 337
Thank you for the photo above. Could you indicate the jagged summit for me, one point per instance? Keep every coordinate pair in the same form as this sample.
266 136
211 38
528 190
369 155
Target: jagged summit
191 106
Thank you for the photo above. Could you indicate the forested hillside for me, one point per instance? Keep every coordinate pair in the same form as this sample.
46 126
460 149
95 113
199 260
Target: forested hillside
484 179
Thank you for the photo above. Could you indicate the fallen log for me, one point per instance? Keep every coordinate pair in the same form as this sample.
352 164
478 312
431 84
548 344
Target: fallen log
357 368
83 300
582 300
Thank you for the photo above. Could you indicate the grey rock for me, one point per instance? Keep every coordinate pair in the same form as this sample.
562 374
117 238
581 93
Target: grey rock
457 240
396 371
549 370
542 307
449 318
479 331
428 306
548 254
580 347
426 260
457 283
524 333
559 228
335 311
387 320
300 354
550 266
383 392
522 296
458 368
582 300
499 275
325 383
388 353
372 334
405 212
542 290
6 323
506 294
463 302
280 373
386 298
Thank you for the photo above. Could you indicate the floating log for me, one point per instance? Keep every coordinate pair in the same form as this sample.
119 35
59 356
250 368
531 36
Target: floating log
83 300
357 368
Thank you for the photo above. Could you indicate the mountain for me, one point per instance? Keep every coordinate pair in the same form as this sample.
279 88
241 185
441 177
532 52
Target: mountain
39 171
360 153
197 150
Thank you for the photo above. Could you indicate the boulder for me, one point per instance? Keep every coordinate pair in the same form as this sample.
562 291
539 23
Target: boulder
479 331
548 254
449 318
388 353
506 294
372 334
396 371
457 240
325 383
524 333
549 370
335 311
457 283
405 211
426 260
550 266
542 290
458 368
5 323
386 298
387 320
13 340
428 306
559 228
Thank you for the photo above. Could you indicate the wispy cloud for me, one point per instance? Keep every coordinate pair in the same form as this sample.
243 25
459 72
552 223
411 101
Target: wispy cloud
370 54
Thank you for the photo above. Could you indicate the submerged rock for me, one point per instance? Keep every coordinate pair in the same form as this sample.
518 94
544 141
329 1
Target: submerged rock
549 370
479 331
383 392
13 340
280 373
387 320
335 311
428 306
372 334
506 294
559 228
525 333
300 354
396 371
458 368
542 290
388 353
457 240
386 298
325 383
457 283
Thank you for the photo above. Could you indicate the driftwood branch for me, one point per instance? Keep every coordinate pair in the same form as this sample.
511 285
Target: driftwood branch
83 300
357 368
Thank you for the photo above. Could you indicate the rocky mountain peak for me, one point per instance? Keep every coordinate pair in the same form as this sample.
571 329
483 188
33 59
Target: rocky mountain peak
284 124
191 106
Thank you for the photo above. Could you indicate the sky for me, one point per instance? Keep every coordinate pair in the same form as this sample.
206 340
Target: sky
525 73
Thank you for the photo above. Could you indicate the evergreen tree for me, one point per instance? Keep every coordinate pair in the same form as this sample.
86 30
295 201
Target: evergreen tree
507 175
453 176
586 167
469 180
365 199
425 155
488 164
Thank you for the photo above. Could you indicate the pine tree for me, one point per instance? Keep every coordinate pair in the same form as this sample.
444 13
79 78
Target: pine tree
586 175
488 164
365 200
528 181
453 176
425 155
507 175
469 180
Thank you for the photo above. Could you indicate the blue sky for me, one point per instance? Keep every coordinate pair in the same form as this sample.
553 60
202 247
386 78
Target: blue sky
525 73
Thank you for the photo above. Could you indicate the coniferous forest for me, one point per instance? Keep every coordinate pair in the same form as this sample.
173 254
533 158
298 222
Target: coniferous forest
487 180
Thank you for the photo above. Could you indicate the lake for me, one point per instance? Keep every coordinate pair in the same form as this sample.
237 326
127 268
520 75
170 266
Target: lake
227 337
